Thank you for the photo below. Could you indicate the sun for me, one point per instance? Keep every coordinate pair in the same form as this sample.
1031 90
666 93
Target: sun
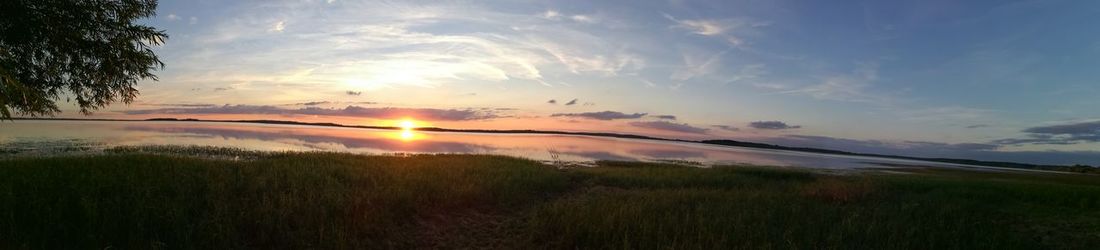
407 124
407 128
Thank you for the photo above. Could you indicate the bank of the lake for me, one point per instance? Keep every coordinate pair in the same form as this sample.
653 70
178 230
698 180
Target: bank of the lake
335 200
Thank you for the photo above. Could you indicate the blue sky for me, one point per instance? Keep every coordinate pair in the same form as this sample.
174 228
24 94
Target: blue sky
941 78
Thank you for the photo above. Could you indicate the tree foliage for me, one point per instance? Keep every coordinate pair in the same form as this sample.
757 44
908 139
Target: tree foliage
87 51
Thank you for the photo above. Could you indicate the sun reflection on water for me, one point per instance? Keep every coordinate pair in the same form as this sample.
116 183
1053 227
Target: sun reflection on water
408 130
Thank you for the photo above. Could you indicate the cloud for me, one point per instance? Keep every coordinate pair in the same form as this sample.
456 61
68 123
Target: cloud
349 92
380 45
602 115
180 104
572 102
222 88
772 125
702 27
729 30
583 19
552 101
698 64
192 20
315 103
172 17
852 87
349 111
666 117
556 16
949 113
551 14
1062 134
1081 128
726 127
278 26
669 126
978 126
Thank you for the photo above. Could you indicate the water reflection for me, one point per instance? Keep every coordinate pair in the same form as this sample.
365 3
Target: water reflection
539 147
321 139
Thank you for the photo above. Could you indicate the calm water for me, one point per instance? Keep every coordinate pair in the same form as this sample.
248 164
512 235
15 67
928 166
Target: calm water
36 137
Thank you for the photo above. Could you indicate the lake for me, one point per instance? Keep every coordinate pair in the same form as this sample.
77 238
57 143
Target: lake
35 137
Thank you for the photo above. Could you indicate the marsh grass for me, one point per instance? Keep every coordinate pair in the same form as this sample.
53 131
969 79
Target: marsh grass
144 200
291 200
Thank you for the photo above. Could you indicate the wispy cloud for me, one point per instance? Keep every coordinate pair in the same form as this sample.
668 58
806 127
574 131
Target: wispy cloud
278 26
701 27
178 104
947 113
726 127
315 103
666 117
550 14
374 46
571 102
583 18
772 125
349 111
697 64
670 126
846 87
728 29
602 115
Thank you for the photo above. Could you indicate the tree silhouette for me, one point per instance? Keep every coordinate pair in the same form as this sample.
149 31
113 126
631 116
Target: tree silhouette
89 51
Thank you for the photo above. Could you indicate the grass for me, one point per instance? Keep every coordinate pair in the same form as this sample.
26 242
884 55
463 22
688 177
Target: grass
136 199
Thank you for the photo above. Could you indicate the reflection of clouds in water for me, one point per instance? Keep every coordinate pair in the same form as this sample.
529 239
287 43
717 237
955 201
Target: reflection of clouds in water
278 137
426 146
668 153
600 155
634 151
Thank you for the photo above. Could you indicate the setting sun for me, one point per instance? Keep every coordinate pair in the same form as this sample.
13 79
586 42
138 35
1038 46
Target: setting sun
407 124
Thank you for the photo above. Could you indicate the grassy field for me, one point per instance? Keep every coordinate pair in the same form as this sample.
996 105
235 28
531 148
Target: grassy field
135 200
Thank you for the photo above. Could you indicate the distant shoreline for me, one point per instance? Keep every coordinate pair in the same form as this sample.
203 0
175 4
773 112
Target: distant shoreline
721 142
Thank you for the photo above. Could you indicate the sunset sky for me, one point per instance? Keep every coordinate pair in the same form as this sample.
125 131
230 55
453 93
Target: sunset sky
999 80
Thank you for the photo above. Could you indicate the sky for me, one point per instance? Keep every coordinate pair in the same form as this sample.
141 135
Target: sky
992 80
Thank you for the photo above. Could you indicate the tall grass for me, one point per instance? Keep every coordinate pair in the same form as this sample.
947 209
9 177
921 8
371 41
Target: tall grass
134 199
306 200
665 207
